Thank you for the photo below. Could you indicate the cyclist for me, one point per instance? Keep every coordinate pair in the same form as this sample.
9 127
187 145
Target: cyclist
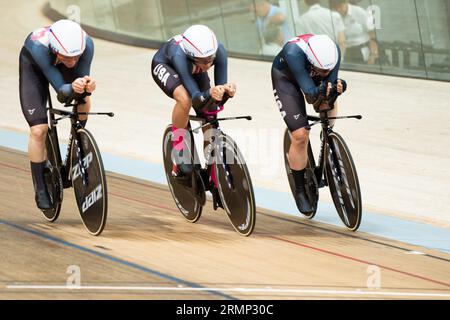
60 55
180 68
306 67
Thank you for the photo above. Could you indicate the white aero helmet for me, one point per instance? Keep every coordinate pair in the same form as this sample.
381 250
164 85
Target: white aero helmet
199 41
67 38
322 52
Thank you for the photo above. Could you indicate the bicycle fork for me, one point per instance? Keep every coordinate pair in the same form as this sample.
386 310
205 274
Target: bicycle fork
319 170
340 176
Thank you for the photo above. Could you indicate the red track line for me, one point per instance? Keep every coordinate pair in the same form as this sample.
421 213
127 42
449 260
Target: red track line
358 260
158 206
111 193
315 248
142 202
155 205
281 239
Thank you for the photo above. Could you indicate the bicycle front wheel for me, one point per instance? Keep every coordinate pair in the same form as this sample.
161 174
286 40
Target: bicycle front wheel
235 186
183 195
89 182
343 181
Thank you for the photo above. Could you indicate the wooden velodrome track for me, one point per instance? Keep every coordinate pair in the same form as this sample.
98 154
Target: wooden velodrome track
148 251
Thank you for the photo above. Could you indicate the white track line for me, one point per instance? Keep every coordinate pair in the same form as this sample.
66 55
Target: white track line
242 290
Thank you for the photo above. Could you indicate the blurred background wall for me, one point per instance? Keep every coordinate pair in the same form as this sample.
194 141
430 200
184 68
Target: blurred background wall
411 37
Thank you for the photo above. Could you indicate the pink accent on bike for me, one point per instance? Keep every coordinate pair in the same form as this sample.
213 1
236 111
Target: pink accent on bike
177 138
215 112
213 176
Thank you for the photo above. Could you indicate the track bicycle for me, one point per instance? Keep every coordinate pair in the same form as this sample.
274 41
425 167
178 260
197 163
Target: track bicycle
224 172
82 168
335 168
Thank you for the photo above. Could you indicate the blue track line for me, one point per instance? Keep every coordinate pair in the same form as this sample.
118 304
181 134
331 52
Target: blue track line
416 233
114 259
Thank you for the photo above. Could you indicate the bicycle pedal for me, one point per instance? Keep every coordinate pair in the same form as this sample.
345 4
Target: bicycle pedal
205 178
50 210
199 189
323 183
67 183
217 203
182 180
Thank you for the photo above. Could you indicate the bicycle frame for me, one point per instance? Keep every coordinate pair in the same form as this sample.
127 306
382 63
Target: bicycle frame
324 120
54 132
75 125
66 165
208 173
214 123
211 146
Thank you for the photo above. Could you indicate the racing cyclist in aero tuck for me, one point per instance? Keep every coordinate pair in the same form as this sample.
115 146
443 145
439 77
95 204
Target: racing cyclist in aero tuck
60 55
306 67
180 68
